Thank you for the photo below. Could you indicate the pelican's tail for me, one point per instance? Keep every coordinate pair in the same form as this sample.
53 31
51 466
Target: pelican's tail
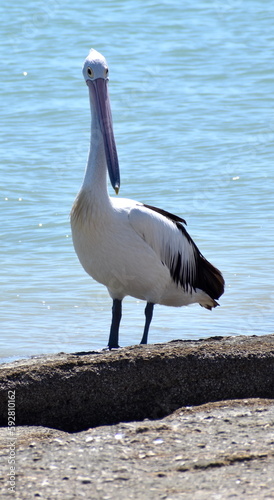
210 306
210 280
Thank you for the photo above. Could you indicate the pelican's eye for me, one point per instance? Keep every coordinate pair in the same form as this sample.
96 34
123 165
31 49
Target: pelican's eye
90 72
106 72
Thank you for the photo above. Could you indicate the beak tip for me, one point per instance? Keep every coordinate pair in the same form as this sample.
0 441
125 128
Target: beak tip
117 189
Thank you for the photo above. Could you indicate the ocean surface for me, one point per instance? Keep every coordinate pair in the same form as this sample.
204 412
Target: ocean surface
191 88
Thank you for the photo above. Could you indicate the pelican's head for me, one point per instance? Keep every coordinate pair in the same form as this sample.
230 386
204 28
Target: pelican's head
95 71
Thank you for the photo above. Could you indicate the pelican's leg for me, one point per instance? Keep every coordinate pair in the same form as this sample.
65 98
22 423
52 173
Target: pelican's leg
114 329
148 314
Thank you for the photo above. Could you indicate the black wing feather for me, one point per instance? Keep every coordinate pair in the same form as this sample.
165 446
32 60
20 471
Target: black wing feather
206 277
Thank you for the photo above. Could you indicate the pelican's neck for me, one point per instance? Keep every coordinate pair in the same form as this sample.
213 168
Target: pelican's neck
95 180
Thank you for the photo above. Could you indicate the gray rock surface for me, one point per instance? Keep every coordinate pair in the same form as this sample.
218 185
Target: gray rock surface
215 451
75 392
183 420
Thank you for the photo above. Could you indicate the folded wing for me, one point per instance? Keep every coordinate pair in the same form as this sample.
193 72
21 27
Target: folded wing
166 235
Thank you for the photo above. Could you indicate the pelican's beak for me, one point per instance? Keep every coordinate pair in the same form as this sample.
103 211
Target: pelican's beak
99 91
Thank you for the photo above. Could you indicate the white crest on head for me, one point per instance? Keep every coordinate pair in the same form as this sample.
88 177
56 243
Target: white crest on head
95 66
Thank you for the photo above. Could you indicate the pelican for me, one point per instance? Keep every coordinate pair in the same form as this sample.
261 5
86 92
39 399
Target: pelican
130 247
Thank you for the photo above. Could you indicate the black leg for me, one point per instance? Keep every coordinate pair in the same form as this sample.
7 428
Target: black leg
148 314
114 329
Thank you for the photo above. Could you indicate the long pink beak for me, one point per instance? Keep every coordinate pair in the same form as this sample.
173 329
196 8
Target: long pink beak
99 90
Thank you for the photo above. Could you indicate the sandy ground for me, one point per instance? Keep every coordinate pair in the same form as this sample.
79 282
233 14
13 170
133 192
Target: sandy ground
184 420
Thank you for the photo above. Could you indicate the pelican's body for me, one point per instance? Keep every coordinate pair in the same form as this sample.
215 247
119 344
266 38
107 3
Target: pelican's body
131 248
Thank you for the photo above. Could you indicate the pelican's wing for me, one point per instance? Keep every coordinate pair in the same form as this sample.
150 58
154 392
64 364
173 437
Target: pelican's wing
166 235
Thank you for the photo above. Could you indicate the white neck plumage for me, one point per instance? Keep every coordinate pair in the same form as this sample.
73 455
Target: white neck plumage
95 179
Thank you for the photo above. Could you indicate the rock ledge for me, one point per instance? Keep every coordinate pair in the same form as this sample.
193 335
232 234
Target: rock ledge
74 392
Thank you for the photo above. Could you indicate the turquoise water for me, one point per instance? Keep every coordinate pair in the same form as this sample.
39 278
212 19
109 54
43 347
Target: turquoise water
191 88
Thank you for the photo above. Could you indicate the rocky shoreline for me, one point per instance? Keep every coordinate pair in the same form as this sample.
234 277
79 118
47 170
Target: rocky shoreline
159 421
